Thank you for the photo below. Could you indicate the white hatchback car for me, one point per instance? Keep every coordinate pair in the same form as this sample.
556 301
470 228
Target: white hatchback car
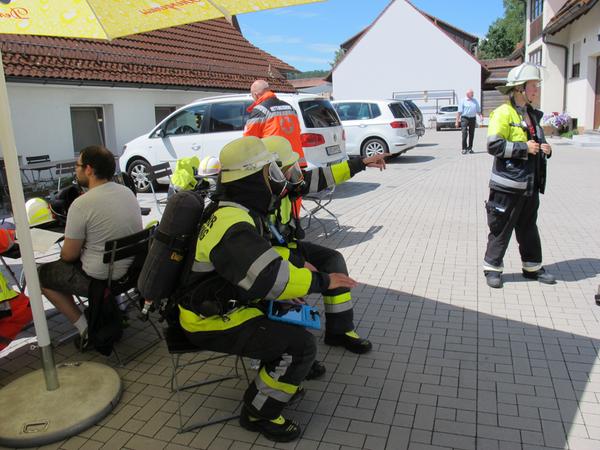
377 126
446 117
203 127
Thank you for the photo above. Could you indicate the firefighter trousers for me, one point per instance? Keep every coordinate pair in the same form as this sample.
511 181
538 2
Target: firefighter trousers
339 314
286 353
508 212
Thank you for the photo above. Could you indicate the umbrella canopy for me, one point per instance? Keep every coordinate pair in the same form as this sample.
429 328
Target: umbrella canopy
95 19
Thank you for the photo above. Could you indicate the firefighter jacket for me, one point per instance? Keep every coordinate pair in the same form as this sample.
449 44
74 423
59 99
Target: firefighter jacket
270 116
514 170
236 266
315 180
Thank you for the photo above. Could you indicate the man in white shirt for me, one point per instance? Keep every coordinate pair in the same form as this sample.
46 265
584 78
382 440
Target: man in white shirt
468 110
106 211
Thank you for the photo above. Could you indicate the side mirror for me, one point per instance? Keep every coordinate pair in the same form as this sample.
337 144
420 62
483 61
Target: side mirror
160 133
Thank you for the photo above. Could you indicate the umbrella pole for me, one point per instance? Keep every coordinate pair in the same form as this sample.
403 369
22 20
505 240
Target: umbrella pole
9 150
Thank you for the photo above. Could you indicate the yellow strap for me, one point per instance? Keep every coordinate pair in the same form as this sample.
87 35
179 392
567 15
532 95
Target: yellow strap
194 323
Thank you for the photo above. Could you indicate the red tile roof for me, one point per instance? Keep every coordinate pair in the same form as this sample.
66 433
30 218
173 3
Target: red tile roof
211 54
301 83
568 13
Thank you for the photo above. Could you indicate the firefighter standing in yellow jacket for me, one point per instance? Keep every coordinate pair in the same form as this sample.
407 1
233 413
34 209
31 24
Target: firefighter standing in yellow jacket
234 271
520 151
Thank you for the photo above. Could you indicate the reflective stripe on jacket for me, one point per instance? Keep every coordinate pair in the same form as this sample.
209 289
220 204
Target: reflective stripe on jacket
229 245
270 116
514 169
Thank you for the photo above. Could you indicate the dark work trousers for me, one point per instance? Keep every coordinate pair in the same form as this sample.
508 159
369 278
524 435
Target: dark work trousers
339 313
506 212
467 125
286 353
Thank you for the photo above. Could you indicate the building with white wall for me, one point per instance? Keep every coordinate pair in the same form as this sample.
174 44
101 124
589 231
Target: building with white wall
65 94
563 36
408 54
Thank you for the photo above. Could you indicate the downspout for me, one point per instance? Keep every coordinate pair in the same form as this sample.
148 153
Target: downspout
566 49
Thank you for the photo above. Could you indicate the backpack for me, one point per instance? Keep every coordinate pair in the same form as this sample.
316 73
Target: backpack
172 247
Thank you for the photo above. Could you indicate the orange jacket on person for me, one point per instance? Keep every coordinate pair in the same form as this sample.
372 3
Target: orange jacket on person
270 116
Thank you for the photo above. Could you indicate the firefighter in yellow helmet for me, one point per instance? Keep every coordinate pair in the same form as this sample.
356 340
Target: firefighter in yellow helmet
221 306
286 232
517 142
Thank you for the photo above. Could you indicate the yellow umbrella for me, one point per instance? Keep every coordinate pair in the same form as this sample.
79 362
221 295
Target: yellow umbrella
95 19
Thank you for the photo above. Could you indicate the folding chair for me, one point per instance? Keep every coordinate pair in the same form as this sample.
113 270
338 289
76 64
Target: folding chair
321 200
136 246
159 171
178 345
41 159
65 169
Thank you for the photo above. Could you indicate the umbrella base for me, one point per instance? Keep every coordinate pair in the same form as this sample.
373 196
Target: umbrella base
32 416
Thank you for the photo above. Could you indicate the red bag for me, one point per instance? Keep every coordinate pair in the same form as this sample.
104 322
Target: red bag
12 325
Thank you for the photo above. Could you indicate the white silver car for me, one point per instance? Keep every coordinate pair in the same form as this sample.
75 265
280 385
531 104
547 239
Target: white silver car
446 117
203 127
377 126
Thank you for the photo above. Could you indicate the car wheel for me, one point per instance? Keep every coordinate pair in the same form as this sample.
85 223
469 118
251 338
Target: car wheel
373 146
139 171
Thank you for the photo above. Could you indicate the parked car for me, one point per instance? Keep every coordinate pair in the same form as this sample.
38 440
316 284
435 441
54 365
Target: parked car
418 115
203 127
376 126
446 117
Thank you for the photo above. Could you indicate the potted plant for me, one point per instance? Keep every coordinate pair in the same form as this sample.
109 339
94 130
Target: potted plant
556 124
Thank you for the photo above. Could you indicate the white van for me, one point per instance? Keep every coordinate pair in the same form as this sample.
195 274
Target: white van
203 127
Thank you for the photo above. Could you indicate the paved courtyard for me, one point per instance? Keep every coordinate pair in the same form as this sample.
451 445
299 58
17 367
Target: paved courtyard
455 364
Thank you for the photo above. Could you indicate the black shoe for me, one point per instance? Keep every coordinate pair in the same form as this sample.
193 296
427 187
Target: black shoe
493 278
541 275
471 151
82 342
317 370
352 344
278 430
464 152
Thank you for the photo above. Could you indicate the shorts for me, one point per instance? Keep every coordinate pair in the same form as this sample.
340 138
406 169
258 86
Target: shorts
66 277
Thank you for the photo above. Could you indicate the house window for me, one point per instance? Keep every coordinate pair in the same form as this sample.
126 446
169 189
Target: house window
537 7
161 112
576 60
87 125
535 57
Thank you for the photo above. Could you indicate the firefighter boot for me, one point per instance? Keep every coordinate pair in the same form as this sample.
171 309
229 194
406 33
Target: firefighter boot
350 341
493 278
541 275
278 430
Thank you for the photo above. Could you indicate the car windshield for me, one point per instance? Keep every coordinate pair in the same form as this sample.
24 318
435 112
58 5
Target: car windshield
318 114
399 110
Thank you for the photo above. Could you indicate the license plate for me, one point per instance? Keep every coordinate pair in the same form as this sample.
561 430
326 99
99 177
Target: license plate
333 149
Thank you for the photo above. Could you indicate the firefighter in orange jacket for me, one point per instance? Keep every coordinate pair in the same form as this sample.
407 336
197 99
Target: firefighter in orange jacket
270 116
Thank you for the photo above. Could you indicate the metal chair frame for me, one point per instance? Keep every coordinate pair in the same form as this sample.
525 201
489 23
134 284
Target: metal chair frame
321 200
159 171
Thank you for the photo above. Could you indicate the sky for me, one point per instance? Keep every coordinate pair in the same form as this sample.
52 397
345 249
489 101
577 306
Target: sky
307 36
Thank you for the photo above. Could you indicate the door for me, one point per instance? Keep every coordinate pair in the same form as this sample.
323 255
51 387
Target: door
87 126
225 123
181 135
354 117
597 104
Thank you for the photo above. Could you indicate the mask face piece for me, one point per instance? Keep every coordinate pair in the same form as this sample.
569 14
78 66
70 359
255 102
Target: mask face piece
277 180
294 175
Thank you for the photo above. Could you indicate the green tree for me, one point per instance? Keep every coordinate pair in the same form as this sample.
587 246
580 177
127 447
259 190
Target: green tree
505 33
339 53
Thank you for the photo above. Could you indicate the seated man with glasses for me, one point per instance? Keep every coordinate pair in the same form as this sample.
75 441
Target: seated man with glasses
106 211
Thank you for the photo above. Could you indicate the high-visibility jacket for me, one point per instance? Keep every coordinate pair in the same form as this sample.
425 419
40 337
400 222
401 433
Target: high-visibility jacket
315 180
270 116
246 270
514 169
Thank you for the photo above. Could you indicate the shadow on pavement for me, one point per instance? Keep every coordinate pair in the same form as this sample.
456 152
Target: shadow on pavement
570 270
410 159
431 144
470 376
352 188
